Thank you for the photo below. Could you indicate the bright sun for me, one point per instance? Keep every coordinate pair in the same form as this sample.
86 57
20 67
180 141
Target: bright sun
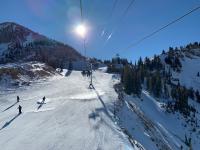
81 30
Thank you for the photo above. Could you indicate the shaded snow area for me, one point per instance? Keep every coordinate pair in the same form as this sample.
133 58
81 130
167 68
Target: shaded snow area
148 122
72 117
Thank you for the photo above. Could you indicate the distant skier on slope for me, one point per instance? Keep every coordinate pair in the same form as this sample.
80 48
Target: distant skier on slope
83 73
88 73
18 99
20 109
43 99
91 86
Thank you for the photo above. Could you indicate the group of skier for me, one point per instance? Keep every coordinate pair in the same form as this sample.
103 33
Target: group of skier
86 73
20 107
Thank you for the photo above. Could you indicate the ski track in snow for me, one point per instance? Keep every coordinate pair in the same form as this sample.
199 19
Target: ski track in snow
78 118
65 120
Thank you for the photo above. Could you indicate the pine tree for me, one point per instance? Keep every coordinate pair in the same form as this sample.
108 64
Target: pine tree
127 80
149 83
198 74
190 143
173 93
186 140
191 93
166 92
197 96
131 80
182 100
122 76
137 81
157 85
177 63
70 67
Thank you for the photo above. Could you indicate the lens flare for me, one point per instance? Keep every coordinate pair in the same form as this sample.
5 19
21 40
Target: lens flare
81 30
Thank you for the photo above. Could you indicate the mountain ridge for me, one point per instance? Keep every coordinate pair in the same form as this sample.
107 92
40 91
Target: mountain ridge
20 43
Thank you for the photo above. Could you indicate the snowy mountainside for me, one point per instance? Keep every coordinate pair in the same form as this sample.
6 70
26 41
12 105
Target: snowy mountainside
188 76
159 100
68 119
184 66
18 43
76 117
13 75
97 118
190 66
12 32
147 121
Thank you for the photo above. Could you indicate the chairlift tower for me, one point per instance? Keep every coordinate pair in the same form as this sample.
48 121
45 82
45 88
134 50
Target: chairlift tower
91 84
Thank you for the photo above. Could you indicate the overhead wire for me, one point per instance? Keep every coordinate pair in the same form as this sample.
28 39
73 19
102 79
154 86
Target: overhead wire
124 14
162 28
81 10
82 21
120 20
90 8
110 16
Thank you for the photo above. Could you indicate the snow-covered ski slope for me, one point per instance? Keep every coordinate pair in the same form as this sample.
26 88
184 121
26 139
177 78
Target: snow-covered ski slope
73 117
188 72
148 122
188 75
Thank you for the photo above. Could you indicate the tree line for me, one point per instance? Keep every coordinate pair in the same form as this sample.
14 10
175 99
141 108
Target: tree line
153 76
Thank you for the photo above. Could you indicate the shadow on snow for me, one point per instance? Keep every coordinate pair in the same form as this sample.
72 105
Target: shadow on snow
10 106
68 73
9 122
40 104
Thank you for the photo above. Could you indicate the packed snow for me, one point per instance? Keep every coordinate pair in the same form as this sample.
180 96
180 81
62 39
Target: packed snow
71 117
76 117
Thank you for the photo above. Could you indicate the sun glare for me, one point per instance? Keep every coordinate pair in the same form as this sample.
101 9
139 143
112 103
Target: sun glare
81 30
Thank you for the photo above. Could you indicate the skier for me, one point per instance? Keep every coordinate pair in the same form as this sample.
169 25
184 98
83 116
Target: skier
43 99
20 109
91 86
18 99
89 73
83 73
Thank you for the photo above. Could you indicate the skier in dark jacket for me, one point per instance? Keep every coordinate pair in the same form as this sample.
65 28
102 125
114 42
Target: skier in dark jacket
43 99
20 109
18 99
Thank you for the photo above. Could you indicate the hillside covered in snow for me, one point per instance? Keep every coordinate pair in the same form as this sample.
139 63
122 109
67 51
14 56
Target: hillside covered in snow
153 104
18 43
15 75
72 116
163 94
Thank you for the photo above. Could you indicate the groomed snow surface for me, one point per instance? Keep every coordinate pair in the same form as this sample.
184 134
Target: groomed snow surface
73 117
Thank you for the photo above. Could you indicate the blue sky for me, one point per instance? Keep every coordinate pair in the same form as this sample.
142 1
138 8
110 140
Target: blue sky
57 18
